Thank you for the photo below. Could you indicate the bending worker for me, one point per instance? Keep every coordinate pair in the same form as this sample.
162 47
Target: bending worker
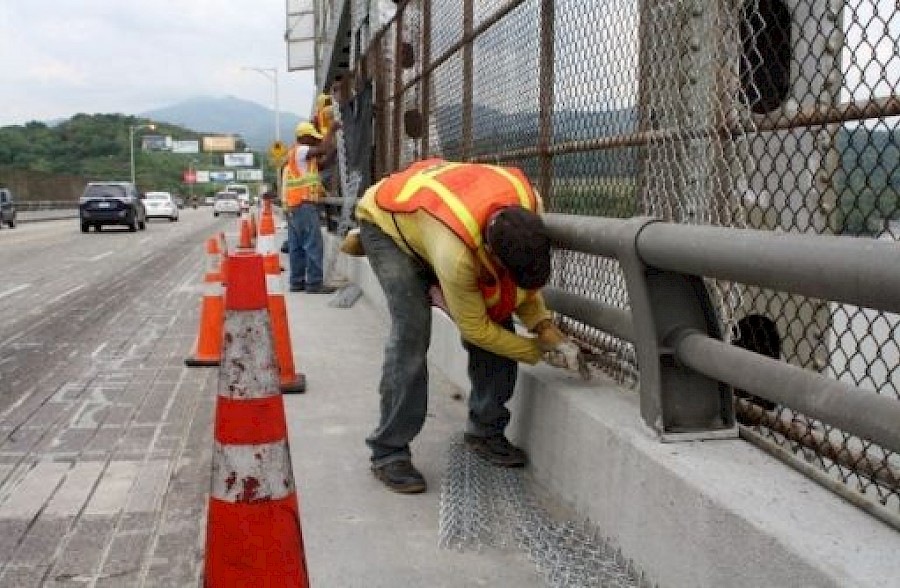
474 232
302 187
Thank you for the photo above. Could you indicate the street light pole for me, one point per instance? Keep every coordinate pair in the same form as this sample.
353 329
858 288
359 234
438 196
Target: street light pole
271 74
131 130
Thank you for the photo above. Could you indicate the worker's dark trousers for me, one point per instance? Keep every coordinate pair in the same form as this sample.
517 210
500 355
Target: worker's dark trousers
404 377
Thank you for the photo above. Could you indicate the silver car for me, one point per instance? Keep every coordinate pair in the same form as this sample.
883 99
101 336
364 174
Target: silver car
226 203
161 205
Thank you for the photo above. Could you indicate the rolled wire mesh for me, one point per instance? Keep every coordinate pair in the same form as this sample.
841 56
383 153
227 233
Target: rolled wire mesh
767 114
484 506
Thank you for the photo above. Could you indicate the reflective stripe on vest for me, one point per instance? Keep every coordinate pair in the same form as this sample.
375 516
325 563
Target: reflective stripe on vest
424 186
299 185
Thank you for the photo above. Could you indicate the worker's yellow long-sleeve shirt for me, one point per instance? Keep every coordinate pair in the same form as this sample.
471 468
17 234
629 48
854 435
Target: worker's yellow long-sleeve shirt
457 269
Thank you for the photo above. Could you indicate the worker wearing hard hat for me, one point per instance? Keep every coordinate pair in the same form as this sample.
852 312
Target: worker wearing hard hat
302 189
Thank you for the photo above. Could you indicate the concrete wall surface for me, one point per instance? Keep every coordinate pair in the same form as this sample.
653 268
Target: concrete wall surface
713 513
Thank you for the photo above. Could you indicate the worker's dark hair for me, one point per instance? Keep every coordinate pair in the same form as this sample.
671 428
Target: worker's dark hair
519 238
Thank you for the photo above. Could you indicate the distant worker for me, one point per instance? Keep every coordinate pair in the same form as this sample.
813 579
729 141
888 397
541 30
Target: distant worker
474 232
323 119
302 189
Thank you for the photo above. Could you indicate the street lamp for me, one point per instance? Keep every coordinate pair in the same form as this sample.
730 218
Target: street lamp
131 131
271 73
193 177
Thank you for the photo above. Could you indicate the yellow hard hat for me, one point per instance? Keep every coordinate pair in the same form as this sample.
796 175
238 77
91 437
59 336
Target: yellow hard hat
307 129
323 100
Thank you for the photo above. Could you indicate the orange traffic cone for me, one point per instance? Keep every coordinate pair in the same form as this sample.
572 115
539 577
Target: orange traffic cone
209 339
245 240
291 381
253 535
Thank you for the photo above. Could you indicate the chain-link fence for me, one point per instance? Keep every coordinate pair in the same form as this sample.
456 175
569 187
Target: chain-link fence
768 114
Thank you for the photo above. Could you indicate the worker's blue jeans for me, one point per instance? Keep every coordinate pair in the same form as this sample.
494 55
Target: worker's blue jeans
404 376
305 249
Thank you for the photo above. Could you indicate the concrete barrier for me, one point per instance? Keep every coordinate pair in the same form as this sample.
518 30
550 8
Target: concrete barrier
710 513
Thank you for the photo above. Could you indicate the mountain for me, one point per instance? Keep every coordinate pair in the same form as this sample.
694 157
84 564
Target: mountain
255 123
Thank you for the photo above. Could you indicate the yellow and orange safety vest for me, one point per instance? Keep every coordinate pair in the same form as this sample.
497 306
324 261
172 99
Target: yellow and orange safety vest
464 196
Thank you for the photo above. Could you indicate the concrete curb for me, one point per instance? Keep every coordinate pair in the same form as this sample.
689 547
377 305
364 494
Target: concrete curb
715 513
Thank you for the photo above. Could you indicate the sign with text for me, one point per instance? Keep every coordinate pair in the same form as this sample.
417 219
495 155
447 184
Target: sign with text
218 143
185 146
221 176
238 159
156 143
249 175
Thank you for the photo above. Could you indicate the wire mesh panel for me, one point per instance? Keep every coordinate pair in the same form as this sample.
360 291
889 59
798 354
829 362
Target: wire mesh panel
777 115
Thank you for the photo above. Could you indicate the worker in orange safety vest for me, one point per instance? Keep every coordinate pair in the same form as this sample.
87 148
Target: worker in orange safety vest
470 237
302 189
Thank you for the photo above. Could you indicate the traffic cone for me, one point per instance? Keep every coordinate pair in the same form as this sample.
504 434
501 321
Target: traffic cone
208 350
245 241
253 536
291 382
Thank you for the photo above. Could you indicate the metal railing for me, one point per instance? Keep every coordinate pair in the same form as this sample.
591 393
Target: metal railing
682 357
778 115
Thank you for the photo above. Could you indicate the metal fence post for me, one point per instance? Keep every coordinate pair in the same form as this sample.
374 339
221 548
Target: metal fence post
397 126
467 81
678 403
426 78
546 77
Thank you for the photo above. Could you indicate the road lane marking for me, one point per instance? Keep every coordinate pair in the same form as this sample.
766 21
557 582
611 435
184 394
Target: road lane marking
66 293
12 291
99 349
101 256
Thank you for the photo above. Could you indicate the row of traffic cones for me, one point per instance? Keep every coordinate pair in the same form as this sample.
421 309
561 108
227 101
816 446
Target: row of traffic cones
208 351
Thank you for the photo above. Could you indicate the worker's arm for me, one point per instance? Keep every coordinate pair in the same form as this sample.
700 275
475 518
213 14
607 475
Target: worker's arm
456 270
325 151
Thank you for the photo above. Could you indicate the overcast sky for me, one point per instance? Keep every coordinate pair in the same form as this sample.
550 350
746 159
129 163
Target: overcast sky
62 57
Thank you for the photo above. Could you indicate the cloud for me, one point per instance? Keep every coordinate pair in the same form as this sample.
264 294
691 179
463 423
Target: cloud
60 57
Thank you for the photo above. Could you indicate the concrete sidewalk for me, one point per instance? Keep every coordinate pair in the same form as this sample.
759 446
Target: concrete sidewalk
357 532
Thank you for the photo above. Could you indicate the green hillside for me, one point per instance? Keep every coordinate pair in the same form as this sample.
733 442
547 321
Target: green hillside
95 147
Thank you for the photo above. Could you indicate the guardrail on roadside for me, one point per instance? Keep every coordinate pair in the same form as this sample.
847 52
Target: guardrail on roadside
686 369
29 206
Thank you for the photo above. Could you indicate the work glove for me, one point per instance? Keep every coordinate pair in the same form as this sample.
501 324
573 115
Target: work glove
559 351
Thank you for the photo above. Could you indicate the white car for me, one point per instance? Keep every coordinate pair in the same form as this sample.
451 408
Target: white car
226 203
161 205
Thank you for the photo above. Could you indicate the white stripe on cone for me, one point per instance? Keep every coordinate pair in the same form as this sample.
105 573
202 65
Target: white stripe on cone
252 473
265 244
274 285
248 368
213 289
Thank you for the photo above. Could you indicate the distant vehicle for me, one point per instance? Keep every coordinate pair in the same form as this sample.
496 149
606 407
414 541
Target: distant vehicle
111 203
179 201
243 192
226 203
209 200
161 205
7 208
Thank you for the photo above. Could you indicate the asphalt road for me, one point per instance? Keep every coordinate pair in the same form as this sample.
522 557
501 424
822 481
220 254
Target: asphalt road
104 434
61 291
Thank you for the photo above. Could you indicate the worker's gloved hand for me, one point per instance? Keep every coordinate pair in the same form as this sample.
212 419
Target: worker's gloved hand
549 336
559 351
566 355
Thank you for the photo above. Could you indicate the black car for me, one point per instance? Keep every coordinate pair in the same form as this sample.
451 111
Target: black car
7 208
111 203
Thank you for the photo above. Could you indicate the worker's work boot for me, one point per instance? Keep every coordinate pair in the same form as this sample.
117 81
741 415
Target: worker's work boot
400 476
496 449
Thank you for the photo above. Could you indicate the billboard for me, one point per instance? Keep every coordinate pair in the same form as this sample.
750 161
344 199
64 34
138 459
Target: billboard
202 177
218 143
156 143
249 175
238 159
185 146
221 176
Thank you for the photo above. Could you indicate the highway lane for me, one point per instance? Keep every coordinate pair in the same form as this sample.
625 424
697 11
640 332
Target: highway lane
105 435
62 292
